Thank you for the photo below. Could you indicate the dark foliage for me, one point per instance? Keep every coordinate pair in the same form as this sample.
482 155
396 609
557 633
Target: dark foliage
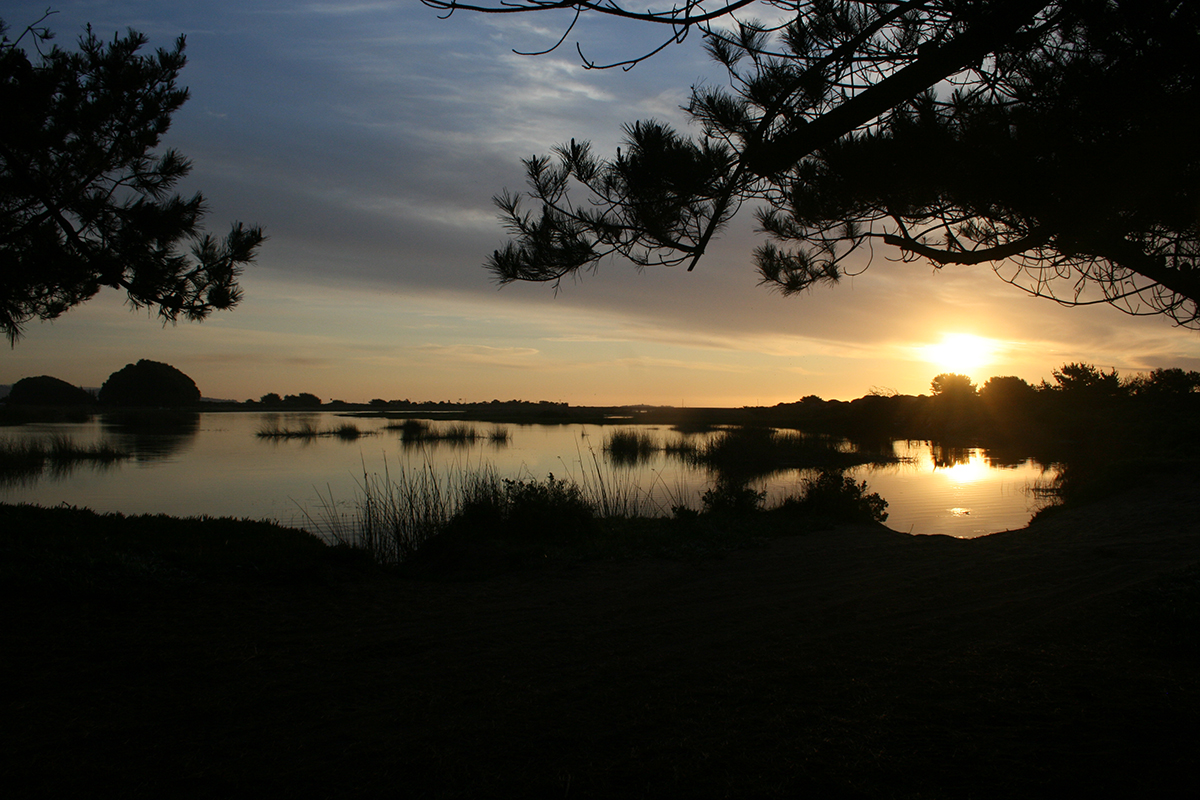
1050 140
86 203
302 400
731 497
832 495
45 390
527 509
151 384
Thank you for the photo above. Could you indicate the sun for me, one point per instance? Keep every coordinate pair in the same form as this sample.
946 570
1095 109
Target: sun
960 352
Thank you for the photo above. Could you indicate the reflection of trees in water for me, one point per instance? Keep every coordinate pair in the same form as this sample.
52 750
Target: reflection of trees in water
945 456
737 455
151 435
1008 456
1014 456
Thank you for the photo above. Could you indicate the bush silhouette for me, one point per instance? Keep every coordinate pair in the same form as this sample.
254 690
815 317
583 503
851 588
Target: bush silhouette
47 391
834 495
149 384
527 508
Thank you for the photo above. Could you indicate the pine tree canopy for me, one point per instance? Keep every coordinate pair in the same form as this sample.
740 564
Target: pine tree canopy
85 202
1053 142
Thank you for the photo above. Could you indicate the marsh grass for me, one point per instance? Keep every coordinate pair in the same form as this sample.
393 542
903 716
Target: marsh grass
681 448
418 432
594 508
29 458
410 428
396 513
630 446
307 429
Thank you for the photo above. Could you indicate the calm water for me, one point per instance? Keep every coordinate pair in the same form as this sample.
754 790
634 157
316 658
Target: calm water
215 465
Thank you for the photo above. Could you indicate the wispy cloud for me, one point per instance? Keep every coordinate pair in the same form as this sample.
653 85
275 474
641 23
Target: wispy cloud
477 354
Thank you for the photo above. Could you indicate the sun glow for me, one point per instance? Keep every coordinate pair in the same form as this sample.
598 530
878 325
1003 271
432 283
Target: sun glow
960 352
971 471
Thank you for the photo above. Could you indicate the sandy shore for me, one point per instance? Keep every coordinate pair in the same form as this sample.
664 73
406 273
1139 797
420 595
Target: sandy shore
851 662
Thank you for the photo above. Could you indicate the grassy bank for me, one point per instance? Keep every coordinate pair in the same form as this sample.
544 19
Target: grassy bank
74 549
151 657
423 514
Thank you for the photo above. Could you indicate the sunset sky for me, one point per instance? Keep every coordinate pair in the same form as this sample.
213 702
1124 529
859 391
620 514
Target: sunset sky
368 139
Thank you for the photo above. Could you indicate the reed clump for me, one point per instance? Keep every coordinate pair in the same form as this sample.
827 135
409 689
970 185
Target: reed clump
308 429
418 431
31 457
464 516
630 446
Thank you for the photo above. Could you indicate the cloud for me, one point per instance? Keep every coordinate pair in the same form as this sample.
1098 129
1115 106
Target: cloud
477 354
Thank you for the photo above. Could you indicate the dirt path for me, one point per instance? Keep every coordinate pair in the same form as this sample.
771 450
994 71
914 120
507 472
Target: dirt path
855 662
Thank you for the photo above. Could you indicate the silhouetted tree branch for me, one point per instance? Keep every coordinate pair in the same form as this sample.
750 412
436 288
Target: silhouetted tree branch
85 202
1054 141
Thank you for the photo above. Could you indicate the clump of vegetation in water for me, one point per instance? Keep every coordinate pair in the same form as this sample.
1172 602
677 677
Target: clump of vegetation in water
307 429
629 446
418 431
30 457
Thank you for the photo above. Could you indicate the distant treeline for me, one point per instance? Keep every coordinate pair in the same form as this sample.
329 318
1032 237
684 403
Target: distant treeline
1082 404
307 400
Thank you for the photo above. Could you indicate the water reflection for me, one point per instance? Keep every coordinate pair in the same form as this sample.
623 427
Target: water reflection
151 435
54 469
946 456
216 464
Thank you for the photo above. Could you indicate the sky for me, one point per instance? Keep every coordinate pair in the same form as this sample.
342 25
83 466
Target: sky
368 139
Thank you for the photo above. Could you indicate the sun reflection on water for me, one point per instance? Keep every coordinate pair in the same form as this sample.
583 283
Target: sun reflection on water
972 471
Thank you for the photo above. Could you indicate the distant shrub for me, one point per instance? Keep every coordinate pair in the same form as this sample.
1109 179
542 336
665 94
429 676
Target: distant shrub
47 391
149 383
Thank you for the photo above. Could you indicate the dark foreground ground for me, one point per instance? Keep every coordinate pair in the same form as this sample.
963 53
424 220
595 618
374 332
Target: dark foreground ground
856 662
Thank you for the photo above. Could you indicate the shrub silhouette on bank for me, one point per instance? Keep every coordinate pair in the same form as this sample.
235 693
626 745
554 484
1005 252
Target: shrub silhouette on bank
526 508
45 390
149 384
833 495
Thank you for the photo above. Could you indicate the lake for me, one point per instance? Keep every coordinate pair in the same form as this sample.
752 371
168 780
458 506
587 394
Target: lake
215 464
